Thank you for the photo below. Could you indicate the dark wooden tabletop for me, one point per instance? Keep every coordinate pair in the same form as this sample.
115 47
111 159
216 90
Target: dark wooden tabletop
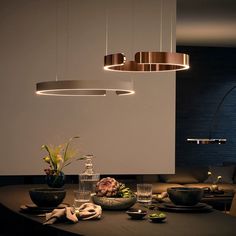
117 223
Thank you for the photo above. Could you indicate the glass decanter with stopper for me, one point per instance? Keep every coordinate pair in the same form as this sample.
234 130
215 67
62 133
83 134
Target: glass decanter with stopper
88 179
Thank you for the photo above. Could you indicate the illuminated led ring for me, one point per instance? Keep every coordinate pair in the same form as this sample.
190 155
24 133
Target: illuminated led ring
84 87
147 62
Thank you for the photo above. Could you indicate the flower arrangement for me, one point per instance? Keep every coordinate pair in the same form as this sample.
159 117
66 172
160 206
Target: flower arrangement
110 187
113 195
59 157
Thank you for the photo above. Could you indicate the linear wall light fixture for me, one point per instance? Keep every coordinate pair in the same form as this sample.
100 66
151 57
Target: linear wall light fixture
209 139
147 61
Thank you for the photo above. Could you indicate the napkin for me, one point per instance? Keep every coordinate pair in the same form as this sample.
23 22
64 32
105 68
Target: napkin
86 211
89 211
66 213
162 195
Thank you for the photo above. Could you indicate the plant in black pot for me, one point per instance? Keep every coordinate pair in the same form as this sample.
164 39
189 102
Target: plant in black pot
58 157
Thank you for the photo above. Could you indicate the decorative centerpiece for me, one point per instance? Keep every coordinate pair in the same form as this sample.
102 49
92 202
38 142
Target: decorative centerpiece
214 188
58 157
112 195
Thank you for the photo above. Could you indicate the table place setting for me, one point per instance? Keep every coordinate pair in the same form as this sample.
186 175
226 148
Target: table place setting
213 223
64 212
185 199
90 198
112 195
48 202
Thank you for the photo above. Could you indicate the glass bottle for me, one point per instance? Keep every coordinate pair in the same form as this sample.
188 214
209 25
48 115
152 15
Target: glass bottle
88 179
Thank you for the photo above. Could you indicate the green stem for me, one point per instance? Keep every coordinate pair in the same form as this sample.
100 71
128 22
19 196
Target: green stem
67 146
51 160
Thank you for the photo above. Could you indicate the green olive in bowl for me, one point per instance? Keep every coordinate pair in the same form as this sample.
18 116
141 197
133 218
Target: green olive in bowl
157 217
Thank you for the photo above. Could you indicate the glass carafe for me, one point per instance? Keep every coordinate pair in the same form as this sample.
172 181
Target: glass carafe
88 178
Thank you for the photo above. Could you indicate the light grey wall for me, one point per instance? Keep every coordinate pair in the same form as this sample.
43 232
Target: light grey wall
128 135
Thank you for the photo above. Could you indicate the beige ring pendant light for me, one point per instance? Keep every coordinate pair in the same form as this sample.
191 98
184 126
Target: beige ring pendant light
83 87
148 61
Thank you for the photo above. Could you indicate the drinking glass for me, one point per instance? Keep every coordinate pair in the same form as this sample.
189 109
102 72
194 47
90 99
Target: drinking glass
80 197
144 193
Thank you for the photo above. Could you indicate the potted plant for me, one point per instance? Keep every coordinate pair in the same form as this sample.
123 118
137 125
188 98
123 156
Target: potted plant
58 157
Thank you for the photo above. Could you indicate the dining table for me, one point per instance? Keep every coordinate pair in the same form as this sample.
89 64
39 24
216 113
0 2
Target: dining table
112 222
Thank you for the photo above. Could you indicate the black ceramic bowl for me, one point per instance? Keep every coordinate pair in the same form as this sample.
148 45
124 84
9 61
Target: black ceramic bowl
185 196
47 197
157 217
136 214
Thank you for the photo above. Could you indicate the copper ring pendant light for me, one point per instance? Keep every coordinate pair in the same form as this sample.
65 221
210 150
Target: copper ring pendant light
148 61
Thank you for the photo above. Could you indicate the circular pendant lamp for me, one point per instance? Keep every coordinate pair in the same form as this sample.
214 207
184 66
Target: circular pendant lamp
81 87
84 87
147 61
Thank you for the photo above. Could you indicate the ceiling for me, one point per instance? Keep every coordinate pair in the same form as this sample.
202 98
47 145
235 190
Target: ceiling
206 23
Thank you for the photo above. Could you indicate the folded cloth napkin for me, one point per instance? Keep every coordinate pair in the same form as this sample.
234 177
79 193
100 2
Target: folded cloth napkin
86 211
66 213
162 195
89 211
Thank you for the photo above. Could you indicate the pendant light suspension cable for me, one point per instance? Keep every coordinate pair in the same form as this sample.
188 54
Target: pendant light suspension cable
161 25
149 61
106 29
171 33
79 87
57 13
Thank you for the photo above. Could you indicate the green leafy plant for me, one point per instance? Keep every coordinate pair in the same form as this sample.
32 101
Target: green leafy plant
59 156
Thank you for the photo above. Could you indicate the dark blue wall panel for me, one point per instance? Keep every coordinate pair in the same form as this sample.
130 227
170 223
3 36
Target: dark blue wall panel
198 91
